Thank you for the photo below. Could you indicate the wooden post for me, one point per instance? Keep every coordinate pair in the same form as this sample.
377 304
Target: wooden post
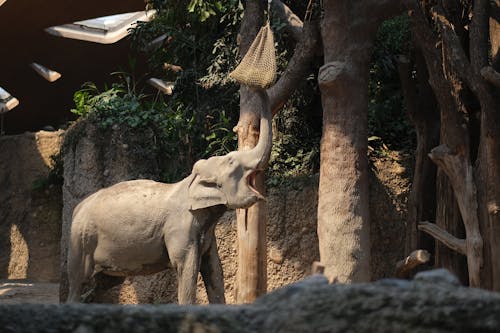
251 277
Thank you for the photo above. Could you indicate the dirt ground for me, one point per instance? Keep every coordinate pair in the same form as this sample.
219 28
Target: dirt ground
25 291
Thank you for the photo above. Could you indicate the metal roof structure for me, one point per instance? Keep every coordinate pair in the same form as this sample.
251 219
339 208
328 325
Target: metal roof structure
104 30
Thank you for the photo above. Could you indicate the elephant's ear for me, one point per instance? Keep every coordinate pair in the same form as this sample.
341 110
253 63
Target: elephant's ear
204 192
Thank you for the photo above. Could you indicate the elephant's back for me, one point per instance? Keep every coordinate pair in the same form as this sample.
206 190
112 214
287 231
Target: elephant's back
132 205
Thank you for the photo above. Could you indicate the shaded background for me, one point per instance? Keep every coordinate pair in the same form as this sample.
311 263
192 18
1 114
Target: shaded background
23 41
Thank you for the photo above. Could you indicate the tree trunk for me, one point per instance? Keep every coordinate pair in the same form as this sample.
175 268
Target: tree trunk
251 276
251 279
448 218
452 74
489 158
422 110
343 211
348 31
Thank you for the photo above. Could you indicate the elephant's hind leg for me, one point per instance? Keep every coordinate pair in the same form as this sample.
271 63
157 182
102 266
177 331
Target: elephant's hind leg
80 268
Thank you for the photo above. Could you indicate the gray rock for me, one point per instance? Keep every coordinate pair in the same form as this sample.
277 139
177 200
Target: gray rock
441 275
308 306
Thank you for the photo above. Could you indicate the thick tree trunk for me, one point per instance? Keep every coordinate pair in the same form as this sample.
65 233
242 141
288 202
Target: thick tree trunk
343 211
348 32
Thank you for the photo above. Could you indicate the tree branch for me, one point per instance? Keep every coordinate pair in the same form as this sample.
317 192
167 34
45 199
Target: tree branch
443 236
294 23
491 75
298 67
459 60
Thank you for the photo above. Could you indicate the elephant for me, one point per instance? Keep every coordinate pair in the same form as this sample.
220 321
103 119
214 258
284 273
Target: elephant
137 227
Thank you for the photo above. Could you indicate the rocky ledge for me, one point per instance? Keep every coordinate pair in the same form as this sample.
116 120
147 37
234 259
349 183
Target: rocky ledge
432 302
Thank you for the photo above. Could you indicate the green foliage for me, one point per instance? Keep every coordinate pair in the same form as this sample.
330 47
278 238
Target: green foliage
297 133
116 105
202 41
196 121
386 117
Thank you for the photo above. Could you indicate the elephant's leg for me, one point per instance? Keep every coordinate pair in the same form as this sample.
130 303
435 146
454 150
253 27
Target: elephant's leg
211 271
80 268
187 274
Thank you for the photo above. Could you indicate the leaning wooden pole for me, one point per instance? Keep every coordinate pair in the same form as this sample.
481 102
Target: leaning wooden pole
251 276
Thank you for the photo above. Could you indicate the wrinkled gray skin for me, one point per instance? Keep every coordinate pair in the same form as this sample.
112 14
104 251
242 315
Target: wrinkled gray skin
136 227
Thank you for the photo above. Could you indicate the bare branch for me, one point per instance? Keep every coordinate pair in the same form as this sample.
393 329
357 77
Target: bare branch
460 63
294 23
491 75
298 67
443 236
415 259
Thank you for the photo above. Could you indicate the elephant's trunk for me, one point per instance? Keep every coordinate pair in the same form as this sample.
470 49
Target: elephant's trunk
258 157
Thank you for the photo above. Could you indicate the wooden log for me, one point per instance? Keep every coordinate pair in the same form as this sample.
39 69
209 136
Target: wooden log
407 265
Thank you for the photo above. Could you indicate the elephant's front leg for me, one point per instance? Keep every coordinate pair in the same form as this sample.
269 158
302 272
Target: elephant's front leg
213 277
187 274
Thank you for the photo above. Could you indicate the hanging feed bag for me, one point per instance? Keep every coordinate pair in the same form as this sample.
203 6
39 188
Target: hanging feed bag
258 66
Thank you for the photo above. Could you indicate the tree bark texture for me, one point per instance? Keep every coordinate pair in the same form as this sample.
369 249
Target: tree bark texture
348 32
453 156
343 211
489 151
251 276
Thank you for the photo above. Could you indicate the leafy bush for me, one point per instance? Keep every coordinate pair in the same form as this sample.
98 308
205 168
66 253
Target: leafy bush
197 119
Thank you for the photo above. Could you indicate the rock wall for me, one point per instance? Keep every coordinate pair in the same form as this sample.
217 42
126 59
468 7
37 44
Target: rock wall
30 209
431 303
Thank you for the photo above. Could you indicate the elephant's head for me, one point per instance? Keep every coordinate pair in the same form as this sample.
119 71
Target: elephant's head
230 179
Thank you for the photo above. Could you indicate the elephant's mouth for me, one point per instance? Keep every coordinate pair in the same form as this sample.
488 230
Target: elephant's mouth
252 184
